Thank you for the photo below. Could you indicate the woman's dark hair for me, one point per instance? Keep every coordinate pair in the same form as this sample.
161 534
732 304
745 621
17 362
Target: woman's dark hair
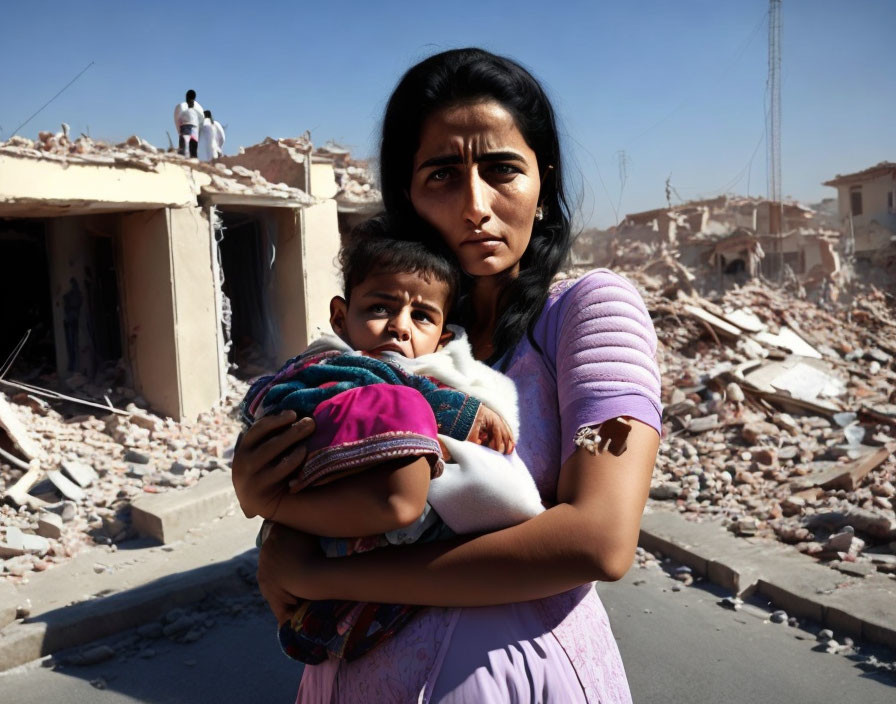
191 97
467 76
375 248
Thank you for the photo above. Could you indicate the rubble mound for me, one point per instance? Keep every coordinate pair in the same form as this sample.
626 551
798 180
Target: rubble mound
779 412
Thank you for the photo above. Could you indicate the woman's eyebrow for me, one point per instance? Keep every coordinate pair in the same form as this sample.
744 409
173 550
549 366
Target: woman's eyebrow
451 159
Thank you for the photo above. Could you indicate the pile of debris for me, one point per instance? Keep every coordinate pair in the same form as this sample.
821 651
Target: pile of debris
780 413
355 180
67 481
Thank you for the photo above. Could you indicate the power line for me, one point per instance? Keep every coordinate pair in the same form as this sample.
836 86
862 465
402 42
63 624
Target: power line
52 99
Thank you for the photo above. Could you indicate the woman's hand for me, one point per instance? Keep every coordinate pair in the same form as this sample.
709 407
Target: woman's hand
265 457
287 563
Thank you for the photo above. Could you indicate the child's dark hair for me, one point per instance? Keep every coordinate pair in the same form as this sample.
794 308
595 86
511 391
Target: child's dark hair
374 248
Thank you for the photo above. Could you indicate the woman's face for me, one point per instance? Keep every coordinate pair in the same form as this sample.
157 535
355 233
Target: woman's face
477 182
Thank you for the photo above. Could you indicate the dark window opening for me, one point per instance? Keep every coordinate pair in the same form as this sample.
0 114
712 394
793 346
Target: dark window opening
25 293
855 201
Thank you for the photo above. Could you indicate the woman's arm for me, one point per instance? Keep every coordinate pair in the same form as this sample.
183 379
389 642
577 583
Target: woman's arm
590 535
389 496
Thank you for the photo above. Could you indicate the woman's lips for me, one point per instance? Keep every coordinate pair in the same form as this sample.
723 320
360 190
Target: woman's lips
483 239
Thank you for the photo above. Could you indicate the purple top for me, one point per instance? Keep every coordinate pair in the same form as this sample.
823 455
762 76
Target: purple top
596 337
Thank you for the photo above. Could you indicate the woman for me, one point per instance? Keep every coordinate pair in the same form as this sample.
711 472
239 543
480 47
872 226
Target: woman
470 155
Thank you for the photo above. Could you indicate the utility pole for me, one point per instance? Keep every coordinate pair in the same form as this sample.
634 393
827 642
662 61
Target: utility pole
776 203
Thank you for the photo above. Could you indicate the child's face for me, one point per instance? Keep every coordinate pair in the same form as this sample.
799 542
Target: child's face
402 313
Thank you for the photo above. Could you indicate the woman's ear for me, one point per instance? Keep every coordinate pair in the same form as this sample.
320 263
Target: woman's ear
338 313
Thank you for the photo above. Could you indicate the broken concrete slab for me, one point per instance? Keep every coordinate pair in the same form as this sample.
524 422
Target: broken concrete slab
49 525
18 435
167 517
18 540
66 487
80 473
849 475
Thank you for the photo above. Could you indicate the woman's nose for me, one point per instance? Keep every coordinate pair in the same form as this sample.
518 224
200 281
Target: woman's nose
475 209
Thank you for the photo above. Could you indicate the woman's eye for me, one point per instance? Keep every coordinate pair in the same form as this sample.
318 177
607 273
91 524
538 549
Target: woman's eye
505 170
440 175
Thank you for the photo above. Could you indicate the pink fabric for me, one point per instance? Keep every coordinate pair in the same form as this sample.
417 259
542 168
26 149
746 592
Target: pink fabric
368 425
485 654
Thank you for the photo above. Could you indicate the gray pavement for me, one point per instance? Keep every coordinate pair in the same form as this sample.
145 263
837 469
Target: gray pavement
678 647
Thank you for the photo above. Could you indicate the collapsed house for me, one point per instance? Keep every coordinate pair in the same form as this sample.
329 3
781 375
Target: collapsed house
728 240
136 268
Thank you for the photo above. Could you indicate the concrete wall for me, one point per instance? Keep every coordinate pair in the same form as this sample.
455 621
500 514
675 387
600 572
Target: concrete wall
68 257
196 324
289 285
148 308
320 239
305 274
168 297
278 163
43 187
323 180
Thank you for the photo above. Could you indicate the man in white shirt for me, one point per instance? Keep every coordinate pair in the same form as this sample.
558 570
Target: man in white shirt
211 138
187 118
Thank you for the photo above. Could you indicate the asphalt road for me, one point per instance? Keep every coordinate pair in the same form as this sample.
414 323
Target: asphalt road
679 648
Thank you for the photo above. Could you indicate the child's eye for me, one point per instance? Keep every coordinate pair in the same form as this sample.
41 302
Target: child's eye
379 309
420 315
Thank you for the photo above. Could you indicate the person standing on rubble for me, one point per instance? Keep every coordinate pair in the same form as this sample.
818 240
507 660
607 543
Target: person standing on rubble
470 159
211 138
187 118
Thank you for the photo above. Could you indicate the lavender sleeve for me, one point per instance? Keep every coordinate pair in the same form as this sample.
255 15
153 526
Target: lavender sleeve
604 346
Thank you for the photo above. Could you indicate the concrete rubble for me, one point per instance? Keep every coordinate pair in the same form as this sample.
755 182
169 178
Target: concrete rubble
93 467
780 412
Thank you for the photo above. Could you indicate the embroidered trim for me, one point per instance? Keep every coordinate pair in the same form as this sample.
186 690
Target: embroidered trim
338 459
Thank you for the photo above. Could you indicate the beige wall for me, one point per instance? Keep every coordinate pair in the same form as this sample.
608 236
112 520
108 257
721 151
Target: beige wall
305 274
289 286
323 180
320 243
169 310
67 255
40 186
148 308
196 322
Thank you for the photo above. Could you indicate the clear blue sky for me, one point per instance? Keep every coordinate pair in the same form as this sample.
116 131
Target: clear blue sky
677 86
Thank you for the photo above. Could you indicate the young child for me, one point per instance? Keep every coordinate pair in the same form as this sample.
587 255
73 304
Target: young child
395 382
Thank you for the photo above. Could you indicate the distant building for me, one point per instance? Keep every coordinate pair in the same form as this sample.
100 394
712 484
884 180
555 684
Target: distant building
867 209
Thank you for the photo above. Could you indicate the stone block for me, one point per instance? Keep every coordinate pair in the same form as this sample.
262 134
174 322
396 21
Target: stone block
167 517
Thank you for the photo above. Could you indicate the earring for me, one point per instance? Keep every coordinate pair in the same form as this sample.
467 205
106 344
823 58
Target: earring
539 213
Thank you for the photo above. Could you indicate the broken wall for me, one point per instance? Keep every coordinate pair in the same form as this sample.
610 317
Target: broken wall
169 310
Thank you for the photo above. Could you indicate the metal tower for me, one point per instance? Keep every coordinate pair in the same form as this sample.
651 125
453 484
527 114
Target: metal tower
776 207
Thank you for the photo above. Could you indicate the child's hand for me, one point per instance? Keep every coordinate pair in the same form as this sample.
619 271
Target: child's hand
490 429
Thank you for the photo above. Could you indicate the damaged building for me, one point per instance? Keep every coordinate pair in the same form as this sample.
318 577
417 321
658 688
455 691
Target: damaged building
136 268
866 209
728 239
